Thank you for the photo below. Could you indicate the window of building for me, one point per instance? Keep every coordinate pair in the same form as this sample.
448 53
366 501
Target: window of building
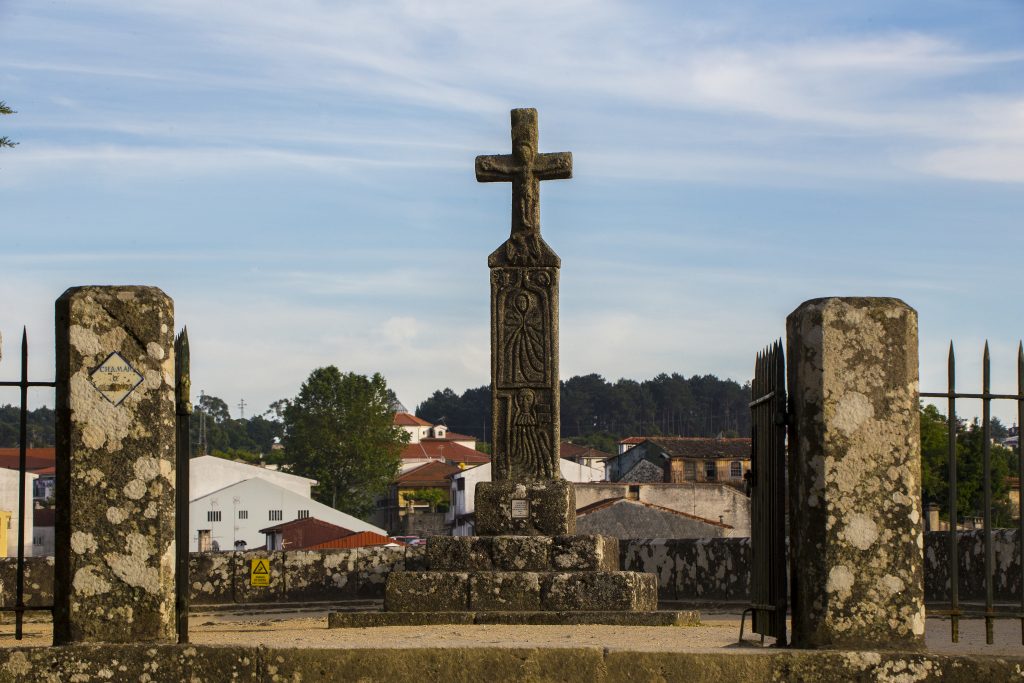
303 514
710 471
736 469
461 485
275 515
689 471
243 514
213 515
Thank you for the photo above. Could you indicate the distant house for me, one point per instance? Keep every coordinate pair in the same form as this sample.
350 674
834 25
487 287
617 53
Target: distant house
681 459
626 518
460 517
429 442
401 497
234 516
40 469
584 455
718 502
629 442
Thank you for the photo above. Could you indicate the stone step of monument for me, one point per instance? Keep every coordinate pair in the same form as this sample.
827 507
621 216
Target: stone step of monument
501 591
536 618
523 553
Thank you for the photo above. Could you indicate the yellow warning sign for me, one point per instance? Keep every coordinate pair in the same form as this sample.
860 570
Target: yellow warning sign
259 575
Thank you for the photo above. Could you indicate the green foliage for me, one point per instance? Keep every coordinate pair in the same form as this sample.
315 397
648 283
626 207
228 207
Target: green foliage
4 140
339 431
484 447
251 440
435 498
702 405
969 468
40 425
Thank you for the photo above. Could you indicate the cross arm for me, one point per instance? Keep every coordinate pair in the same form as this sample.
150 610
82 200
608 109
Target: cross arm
553 166
495 168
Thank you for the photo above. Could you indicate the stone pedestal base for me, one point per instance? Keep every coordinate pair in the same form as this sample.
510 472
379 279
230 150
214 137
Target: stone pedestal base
492 591
545 508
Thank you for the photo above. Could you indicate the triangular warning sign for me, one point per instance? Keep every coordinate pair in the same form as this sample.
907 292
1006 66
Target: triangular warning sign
261 567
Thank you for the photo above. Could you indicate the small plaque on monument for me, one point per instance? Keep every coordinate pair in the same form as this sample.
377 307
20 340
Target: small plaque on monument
520 508
115 378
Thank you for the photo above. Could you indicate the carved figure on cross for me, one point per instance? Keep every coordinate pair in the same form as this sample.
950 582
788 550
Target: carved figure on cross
524 168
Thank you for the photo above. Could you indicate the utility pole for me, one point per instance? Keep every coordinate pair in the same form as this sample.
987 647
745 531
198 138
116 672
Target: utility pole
241 408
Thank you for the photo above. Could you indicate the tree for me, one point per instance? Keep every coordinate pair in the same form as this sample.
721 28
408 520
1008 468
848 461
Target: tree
339 430
4 140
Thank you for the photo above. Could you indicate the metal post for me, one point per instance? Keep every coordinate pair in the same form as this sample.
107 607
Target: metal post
954 550
1020 477
19 604
183 411
986 434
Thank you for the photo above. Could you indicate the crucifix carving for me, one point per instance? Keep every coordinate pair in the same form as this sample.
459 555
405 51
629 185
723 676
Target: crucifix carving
524 168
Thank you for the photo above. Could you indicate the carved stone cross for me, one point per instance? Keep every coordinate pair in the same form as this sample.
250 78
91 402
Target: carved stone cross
524 168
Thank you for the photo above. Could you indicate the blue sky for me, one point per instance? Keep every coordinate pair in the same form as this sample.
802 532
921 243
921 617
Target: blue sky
299 177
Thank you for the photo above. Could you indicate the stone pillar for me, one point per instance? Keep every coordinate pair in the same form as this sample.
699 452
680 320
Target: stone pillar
114 579
856 534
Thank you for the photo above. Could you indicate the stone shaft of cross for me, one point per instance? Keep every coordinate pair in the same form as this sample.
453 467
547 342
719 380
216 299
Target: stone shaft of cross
524 314
524 168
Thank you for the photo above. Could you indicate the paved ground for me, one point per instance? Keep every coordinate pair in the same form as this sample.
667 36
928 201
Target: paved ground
718 632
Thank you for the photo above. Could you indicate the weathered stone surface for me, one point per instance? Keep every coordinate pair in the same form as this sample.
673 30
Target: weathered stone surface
244 590
585 553
371 619
38 582
303 575
459 553
427 592
211 578
599 591
503 591
855 475
551 508
521 553
693 569
532 618
971 549
467 665
114 529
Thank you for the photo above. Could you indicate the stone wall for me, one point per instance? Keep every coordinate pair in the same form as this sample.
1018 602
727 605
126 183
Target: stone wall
717 502
708 569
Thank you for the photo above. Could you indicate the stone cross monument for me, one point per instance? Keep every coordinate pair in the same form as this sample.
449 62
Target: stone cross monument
526 495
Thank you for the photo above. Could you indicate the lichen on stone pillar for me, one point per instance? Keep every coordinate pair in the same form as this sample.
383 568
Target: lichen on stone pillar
856 534
115 466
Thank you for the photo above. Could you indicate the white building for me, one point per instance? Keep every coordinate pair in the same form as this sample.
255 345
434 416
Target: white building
463 491
208 473
234 514
9 503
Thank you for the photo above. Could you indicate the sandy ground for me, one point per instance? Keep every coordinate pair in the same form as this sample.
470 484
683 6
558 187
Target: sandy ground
718 632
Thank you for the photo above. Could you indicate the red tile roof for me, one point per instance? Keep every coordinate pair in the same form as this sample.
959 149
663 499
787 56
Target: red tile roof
431 474
303 533
37 460
357 540
633 440
703 447
410 420
442 449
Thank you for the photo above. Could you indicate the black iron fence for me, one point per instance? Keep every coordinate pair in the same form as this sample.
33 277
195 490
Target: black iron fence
767 491
23 384
991 612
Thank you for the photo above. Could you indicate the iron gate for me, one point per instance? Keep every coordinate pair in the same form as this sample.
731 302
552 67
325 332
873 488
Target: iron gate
766 486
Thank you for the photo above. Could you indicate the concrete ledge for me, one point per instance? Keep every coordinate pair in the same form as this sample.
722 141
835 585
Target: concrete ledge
531 618
455 665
